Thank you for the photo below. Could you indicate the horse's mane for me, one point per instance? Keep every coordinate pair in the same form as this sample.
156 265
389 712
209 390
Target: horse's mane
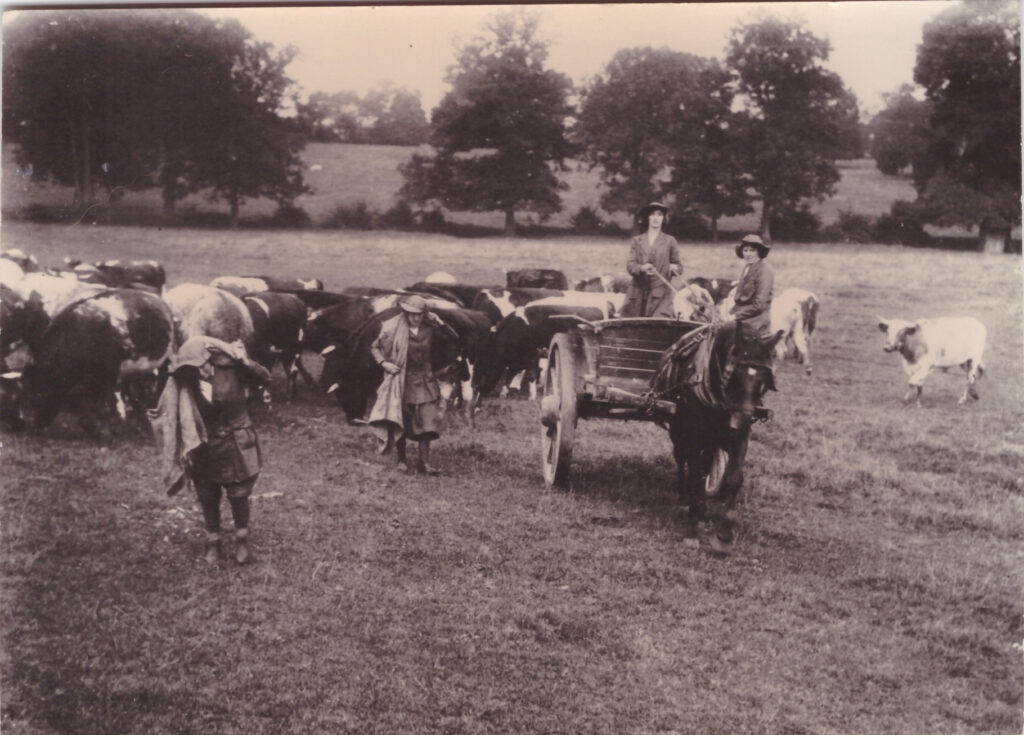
697 365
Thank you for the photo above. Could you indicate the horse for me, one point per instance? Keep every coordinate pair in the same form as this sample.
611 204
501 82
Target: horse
716 376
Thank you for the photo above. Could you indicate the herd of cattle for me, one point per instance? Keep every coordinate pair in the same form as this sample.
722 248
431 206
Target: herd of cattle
96 338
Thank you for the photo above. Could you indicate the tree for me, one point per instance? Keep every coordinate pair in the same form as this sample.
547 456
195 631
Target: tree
331 118
500 131
901 132
969 65
253 151
401 120
798 113
128 98
657 123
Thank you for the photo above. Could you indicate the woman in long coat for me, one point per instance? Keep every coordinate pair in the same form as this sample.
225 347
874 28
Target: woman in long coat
653 261
407 405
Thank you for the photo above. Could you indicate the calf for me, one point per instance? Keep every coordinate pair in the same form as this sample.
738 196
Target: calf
936 343
536 278
795 314
278 320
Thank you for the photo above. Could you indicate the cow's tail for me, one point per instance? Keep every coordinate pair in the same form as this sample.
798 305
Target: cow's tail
811 316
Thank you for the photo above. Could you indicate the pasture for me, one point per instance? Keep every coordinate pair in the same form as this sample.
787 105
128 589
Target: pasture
875 586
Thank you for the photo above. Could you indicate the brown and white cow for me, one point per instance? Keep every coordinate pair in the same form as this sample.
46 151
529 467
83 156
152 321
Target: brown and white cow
207 311
942 342
795 314
241 285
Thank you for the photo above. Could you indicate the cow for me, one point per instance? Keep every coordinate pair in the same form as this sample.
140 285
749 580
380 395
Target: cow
208 311
693 303
358 375
717 391
330 330
795 313
602 283
497 303
27 263
146 275
942 342
522 337
106 351
241 285
719 288
31 302
441 277
464 294
536 278
278 320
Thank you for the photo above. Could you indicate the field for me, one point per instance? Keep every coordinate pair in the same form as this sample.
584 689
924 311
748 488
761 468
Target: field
875 586
340 174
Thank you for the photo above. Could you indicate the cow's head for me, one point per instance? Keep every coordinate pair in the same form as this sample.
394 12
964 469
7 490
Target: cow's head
896 333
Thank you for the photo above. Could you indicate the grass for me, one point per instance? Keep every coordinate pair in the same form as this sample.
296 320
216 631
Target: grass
875 587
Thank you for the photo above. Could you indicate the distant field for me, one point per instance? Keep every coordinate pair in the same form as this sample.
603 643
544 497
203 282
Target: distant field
345 174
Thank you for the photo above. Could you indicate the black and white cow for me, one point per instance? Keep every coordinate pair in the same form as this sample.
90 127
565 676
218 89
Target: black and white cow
97 351
358 375
497 303
278 321
536 278
943 342
521 338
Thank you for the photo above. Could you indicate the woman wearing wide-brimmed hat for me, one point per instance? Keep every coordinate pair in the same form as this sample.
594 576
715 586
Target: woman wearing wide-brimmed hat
753 301
653 261
407 405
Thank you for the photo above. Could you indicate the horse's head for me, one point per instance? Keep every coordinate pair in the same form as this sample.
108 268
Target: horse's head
747 372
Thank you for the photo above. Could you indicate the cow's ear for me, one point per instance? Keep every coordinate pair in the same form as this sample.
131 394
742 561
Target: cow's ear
883 325
911 329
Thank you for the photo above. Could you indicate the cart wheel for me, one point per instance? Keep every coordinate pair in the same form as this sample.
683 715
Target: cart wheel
558 412
713 482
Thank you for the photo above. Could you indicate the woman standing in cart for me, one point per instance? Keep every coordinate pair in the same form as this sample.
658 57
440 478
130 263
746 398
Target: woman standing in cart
653 261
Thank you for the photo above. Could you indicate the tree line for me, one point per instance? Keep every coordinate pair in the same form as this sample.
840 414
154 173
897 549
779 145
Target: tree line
175 100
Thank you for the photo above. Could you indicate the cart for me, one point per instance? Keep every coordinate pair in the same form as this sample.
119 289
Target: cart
601 369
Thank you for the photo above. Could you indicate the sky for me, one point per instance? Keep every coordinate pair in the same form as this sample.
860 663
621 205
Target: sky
874 43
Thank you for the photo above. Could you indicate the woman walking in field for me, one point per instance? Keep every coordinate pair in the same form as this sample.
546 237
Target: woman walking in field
653 261
206 436
407 405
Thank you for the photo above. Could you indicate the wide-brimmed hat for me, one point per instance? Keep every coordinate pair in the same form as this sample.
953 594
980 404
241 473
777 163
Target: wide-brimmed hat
757 242
413 304
650 207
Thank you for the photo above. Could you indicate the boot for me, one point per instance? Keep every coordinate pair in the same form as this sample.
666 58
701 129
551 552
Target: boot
213 548
403 460
242 554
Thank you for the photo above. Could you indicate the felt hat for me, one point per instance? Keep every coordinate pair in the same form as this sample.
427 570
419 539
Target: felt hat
412 304
757 242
